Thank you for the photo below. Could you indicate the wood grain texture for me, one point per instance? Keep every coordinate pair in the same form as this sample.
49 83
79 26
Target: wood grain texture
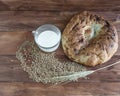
10 41
23 21
19 17
72 89
60 5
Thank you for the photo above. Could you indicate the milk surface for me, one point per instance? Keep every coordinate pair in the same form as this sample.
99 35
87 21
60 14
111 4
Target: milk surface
47 38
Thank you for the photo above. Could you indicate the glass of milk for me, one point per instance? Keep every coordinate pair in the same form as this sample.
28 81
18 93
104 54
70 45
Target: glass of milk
47 37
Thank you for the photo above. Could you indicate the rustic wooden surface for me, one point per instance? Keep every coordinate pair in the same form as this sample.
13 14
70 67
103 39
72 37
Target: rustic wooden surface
19 17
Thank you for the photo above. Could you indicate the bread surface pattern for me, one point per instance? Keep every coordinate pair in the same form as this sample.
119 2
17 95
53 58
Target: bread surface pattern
89 39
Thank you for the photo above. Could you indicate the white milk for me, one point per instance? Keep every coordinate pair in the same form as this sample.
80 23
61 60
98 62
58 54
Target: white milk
47 38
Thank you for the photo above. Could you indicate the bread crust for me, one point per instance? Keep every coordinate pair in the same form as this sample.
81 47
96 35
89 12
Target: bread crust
89 39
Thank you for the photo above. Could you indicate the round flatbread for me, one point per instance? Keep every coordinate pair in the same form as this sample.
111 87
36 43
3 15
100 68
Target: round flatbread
89 39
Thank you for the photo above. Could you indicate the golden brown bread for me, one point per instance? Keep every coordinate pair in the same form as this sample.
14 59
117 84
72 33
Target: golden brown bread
89 39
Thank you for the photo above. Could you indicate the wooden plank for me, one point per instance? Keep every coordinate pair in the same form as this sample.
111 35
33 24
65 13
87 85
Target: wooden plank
60 5
72 89
19 21
11 71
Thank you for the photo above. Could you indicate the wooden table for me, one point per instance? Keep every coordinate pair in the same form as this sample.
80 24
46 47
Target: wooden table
19 17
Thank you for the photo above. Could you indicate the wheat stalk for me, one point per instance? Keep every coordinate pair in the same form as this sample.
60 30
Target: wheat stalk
81 74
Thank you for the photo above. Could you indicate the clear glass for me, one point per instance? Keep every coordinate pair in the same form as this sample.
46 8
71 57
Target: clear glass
43 28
